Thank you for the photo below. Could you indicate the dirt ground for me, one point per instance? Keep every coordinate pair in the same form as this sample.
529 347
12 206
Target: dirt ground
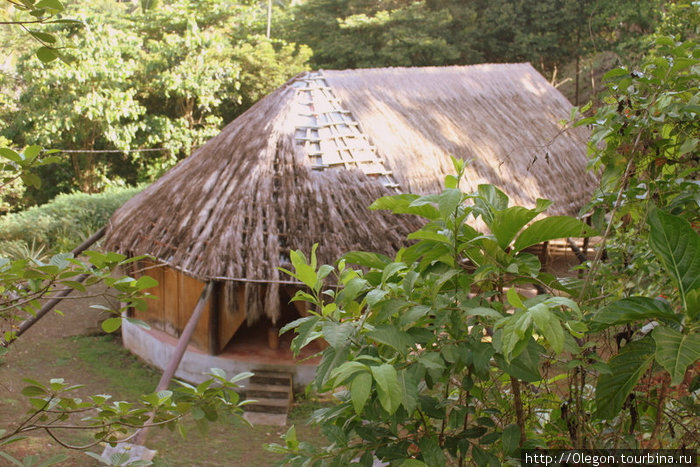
61 347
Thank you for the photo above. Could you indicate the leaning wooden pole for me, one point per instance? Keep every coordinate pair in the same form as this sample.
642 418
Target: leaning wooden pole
176 357
89 241
48 306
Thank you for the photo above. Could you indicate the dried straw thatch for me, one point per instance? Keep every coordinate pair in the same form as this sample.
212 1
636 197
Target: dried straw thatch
303 164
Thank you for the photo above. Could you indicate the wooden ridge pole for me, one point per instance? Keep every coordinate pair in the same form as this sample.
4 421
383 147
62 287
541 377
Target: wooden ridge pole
89 241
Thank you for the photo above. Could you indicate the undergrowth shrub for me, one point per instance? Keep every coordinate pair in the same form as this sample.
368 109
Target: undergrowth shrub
61 224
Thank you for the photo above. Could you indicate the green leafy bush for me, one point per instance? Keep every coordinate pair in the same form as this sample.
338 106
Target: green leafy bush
434 358
63 223
423 347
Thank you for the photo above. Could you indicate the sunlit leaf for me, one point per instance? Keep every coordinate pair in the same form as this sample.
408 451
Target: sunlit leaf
388 389
551 228
111 324
360 389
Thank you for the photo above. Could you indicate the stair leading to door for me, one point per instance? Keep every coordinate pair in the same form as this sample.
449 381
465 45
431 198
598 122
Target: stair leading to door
272 391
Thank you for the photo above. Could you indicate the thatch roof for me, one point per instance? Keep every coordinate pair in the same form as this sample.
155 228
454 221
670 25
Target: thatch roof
302 165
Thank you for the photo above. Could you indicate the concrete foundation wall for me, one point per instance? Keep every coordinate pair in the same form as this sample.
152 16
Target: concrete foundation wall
156 348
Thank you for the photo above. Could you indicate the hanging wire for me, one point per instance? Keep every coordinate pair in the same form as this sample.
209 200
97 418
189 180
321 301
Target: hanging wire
118 151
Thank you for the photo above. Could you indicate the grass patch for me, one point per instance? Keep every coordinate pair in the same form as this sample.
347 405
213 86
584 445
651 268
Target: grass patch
105 366
106 358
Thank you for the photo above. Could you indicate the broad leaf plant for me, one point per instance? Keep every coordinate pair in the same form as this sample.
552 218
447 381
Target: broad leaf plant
434 356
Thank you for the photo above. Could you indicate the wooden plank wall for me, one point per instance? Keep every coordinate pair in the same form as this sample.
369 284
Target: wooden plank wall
232 311
154 314
177 296
169 301
189 290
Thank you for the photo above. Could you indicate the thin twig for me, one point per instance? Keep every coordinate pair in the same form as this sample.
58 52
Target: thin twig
20 23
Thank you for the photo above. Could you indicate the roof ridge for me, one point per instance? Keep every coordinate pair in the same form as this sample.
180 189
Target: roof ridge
330 134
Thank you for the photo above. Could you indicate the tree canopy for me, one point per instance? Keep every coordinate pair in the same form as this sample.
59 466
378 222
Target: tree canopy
164 79
165 76
549 34
436 356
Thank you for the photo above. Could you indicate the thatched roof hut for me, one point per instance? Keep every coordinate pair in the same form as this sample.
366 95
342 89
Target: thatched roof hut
302 165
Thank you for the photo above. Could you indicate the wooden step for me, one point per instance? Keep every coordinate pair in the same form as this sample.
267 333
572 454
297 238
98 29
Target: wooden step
271 377
268 406
268 391
272 393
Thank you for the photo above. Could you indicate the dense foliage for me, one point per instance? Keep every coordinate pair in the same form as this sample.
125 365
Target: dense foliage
436 358
165 78
32 281
459 350
421 366
549 34
61 224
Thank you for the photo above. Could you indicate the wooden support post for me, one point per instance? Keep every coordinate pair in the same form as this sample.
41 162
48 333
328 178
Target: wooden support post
179 351
48 306
273 339
577 251
586 241
544 254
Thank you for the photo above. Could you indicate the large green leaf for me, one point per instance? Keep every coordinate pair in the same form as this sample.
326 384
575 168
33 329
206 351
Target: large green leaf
516 332
431 452
389 335
303 271
50 4
46 54
370 260
337 334
408 381
551 228
676 351
514 298
482 352
8 153
331 359
511 439
677 246
549 325
402 204
388 389
448 201
360 389
495 198
306 332
354 287
111 324
630 310
625 370
507 223
526 365
692 304
347 370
